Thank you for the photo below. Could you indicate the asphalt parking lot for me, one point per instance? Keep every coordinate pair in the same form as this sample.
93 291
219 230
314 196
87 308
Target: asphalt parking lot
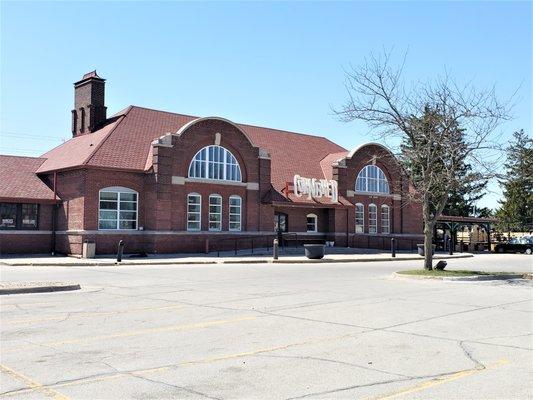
268 332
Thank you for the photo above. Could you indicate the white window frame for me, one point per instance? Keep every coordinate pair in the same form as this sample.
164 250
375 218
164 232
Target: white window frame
314 216
118 190
385 222
204 161
215 196
360 216
239 214
362 183
199 213
372 222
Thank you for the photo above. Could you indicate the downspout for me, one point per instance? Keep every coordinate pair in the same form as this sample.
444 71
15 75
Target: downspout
54 216
347 227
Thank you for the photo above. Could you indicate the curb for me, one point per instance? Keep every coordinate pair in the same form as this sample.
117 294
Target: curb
40 289
268 260
467 278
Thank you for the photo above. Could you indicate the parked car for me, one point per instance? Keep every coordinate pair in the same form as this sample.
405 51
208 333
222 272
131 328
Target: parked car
516 245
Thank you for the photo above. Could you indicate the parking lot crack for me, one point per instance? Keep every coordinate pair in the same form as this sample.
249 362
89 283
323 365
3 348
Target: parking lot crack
334 361
468 354
175 386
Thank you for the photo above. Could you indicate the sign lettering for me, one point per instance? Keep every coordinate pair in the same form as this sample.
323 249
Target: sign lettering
316 188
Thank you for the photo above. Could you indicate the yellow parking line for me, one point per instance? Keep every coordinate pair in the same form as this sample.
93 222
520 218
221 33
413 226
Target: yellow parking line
439 381
89 314
33 385
172 328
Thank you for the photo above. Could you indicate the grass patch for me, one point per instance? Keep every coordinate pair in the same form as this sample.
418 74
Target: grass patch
434 272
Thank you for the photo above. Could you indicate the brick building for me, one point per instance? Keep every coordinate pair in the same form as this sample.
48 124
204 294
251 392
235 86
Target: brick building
166 182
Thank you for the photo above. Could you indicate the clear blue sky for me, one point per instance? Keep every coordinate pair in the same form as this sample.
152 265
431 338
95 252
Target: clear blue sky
276 64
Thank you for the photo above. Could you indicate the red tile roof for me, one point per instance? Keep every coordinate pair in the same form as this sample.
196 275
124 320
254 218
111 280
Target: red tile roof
329 160
18 179
125 144
76 151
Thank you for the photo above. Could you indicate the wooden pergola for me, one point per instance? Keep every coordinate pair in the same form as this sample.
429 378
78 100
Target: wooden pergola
456 223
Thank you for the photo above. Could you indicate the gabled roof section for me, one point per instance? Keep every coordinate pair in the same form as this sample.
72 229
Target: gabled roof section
292 153
327 163
18 180
129 146
78 150
126 144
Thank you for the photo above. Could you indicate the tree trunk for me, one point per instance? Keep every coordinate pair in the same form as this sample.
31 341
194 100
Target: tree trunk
428 245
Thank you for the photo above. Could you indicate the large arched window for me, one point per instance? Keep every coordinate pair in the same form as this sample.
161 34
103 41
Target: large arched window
372 179
117 208
215 162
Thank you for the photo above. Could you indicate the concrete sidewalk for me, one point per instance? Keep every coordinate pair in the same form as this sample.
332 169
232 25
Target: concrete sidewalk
355 255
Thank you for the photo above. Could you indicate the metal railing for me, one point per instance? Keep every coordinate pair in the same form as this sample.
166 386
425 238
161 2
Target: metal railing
248 242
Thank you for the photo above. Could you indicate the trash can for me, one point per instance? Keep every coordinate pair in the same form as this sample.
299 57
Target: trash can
314 251
89 249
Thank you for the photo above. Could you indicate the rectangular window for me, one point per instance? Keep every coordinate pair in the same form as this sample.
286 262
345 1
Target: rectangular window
8 216
385 219
359 218
280 223
372 219
19 216
29 215
215 213
235 212
311 223
194 212
118 210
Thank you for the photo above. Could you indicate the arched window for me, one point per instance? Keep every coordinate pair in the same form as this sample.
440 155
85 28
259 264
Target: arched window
385 219
117 208
235 213
359 218
372 179
312 221
194 212
372 219
215 212
215 162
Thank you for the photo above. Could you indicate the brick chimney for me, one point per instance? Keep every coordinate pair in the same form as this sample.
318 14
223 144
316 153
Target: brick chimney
89 104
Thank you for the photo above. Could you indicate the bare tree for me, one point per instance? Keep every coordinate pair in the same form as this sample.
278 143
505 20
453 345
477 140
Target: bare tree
438 124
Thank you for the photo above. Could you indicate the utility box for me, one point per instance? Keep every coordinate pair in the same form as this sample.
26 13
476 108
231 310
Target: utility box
89 249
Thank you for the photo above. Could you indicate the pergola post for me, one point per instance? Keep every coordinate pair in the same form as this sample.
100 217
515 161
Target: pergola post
488 236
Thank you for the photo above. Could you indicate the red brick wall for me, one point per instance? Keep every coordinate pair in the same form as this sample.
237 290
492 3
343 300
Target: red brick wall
405 216
162 205
25 243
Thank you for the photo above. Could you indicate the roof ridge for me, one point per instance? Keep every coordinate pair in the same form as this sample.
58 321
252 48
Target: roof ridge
242 124
336 152
122 112
290 132
164 111
34 158
117 123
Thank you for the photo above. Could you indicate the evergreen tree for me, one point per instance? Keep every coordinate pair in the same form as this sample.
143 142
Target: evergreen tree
470 189
516 211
